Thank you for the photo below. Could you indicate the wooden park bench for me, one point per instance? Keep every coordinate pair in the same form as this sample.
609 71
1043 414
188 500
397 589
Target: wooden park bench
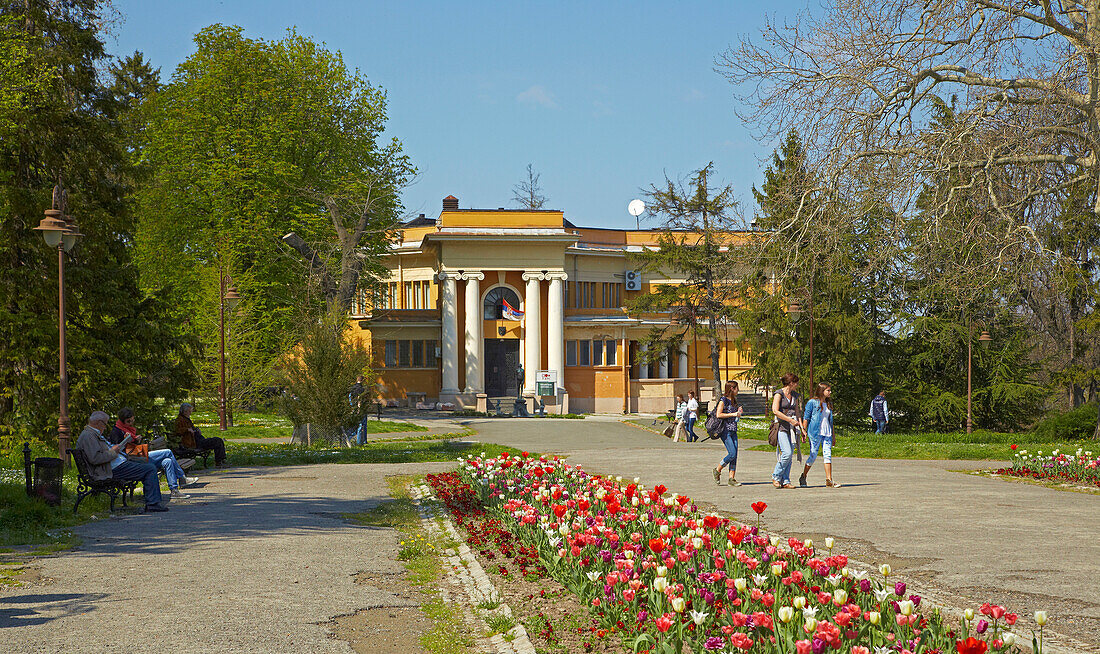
87 486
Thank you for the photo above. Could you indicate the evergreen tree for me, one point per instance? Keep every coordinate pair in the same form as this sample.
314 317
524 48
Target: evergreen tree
699 225
122 347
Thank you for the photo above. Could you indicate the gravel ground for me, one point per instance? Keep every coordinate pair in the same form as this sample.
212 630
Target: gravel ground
259 560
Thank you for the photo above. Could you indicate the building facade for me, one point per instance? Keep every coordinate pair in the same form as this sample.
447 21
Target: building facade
479 302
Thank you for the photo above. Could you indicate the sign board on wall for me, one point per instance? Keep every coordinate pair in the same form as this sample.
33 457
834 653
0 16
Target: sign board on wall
546 382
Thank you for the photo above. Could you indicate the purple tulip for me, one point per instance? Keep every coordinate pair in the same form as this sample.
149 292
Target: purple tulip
818 646
982 626
899 589
713 642
708 597
642 616
915 599
865 585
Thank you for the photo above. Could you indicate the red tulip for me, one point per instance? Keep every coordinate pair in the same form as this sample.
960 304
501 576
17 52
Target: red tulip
710 522
759 507
1012 447
663 623
657 545
970 646
559 510
660 488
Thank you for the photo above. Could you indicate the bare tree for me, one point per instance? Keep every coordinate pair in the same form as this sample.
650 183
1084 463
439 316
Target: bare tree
859 83
976 119
364 216
528 194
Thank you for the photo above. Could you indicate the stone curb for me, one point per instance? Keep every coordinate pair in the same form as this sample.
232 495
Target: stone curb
467 576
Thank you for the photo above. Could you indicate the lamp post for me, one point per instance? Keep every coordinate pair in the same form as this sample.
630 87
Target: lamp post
795 309
59 231
984 339
228 297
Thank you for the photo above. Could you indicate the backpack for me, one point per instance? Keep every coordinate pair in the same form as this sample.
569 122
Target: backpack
714 424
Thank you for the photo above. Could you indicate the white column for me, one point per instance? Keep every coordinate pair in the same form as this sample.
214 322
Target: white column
662 365
474 377
555 327
643 366
449 344
532 330
682 364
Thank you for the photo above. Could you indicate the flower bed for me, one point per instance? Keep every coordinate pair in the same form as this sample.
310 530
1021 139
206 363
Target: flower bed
652 568
1079 468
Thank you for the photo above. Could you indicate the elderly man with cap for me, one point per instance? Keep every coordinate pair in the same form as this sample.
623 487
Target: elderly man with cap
105 461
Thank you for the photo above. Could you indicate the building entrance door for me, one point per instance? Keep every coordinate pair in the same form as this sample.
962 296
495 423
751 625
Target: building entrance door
502 367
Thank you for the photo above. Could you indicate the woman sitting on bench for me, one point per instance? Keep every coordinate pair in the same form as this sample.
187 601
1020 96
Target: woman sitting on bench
190 436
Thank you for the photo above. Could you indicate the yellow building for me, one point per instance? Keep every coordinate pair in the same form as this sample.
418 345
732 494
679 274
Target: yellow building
447 325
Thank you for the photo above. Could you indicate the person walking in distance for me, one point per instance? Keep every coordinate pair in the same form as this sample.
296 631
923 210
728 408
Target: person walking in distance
819 420
692 416
785 410
879 412
679 415
729 411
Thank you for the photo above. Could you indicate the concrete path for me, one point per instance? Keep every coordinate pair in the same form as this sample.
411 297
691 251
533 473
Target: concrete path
953 534
257 561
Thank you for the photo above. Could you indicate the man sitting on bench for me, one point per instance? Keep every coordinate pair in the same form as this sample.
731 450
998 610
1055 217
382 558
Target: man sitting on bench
105 461
190 437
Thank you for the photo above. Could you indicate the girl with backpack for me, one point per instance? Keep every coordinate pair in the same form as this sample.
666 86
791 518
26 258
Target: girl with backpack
819 416
729 412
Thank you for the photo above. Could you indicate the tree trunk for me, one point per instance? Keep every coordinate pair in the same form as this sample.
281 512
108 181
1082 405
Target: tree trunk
1096 433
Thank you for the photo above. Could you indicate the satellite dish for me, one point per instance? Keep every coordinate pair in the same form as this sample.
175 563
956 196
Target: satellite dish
636 207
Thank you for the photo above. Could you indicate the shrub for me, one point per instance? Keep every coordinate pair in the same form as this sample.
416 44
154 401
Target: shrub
1078 423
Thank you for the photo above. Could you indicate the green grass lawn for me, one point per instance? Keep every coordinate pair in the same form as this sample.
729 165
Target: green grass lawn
271 425
979 445
400 451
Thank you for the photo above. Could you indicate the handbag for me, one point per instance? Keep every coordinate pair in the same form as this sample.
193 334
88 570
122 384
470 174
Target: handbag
773 433
668 431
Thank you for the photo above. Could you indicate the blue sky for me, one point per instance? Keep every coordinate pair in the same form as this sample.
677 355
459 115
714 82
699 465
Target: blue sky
602 98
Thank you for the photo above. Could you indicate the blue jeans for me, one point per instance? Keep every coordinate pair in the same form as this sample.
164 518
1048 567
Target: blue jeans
690 424
165 460
729 439
146 473
784 453
825 443
880 426
361 432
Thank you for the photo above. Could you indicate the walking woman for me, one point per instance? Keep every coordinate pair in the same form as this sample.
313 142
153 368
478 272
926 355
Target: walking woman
785 411
819 416
729 412
691 417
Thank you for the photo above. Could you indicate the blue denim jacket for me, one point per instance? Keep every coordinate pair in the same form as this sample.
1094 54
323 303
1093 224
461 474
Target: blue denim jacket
813 416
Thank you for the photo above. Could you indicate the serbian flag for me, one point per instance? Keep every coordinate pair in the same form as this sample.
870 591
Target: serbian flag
509 312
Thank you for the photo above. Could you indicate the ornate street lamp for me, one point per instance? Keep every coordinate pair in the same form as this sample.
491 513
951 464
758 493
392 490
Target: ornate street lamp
59 231
984 339
230 298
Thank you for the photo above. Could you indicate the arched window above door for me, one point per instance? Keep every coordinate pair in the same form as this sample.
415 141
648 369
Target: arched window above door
494 302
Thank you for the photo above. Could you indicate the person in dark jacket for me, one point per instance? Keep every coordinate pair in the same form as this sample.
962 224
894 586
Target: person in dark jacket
189 436
879 412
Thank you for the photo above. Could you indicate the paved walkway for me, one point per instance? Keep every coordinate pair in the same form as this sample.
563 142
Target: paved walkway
954 534
259 560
